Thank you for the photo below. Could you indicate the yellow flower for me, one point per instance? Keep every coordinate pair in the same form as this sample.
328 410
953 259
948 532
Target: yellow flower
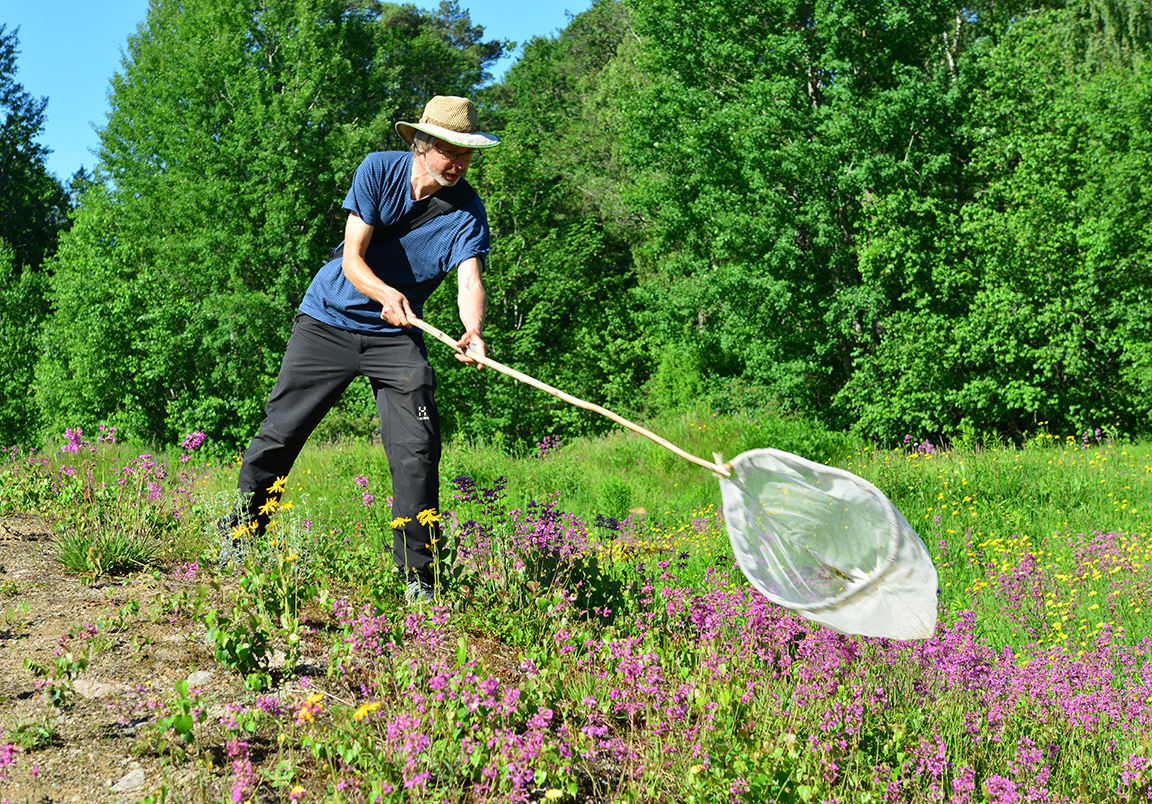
695 769
292 557
401 521
277 486
554 795
427 517
310 707
269 506
365 710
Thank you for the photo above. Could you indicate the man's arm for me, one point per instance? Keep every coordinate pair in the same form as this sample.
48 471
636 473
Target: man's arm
471 299
394 307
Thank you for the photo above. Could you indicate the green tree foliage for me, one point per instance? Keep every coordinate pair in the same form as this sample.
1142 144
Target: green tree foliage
33 204
33 212
1050 318
23 307
902 216
873 211
1118 31
763 140
234 130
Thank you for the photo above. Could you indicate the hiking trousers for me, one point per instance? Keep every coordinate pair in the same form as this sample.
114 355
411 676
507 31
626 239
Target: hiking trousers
320 362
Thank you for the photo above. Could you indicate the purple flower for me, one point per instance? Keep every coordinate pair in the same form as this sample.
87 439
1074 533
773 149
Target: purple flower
193 440
75 436
269 705
1001 790
243 775
187 572
546 445
8 756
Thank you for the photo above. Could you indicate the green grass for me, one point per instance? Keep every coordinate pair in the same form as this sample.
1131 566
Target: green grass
988 512
608 476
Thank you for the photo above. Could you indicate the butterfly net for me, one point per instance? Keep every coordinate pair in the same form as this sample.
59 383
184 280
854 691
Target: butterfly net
829 545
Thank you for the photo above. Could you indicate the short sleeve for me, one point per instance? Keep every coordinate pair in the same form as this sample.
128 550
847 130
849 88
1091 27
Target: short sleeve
472 238
377 195
364 194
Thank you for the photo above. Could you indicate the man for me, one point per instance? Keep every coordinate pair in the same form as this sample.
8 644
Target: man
353 321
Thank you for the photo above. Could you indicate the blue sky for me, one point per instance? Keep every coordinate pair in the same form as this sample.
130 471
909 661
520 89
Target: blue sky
69 50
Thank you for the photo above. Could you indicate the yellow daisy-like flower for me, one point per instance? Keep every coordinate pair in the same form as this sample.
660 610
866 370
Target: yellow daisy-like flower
401 521
270 505
427 517
554 794
292 557
240 531
310 707
277 486
365 710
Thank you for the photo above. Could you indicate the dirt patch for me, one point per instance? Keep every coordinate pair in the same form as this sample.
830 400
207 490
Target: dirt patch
102 746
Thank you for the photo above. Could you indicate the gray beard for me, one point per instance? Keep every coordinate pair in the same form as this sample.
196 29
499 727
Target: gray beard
438 176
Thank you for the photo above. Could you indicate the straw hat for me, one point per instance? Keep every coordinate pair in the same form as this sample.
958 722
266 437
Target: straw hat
451 119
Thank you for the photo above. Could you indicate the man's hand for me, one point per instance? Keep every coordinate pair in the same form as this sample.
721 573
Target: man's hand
471 344
394 307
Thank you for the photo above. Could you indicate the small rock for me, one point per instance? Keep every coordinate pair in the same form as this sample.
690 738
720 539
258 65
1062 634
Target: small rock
199 678
88 688
133 780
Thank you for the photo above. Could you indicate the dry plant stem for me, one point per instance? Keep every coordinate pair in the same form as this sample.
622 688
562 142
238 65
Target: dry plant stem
717 467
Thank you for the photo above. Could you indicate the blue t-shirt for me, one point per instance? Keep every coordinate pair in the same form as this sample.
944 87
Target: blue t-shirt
414 264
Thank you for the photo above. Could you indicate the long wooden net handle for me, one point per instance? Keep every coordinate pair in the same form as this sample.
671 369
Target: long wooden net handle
716 467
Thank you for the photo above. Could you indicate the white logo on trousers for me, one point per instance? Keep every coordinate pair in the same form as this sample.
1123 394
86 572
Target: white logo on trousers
422 413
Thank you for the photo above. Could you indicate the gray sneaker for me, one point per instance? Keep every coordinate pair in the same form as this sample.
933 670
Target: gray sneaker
419 591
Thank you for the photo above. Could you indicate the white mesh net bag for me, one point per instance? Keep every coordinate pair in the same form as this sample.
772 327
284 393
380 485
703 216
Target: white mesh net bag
828 545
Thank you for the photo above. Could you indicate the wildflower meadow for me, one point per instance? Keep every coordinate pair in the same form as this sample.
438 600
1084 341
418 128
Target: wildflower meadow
592 639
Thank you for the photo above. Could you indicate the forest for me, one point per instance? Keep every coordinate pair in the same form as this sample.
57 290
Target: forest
896 217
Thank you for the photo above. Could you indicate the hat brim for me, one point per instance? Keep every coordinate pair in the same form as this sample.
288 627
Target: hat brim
477 139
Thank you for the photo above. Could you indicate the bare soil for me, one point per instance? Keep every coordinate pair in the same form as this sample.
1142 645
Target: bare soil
102 747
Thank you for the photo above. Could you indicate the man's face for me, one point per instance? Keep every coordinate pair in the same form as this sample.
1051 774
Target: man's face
447 163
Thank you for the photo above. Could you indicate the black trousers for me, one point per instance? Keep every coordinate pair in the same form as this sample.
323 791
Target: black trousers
319 364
